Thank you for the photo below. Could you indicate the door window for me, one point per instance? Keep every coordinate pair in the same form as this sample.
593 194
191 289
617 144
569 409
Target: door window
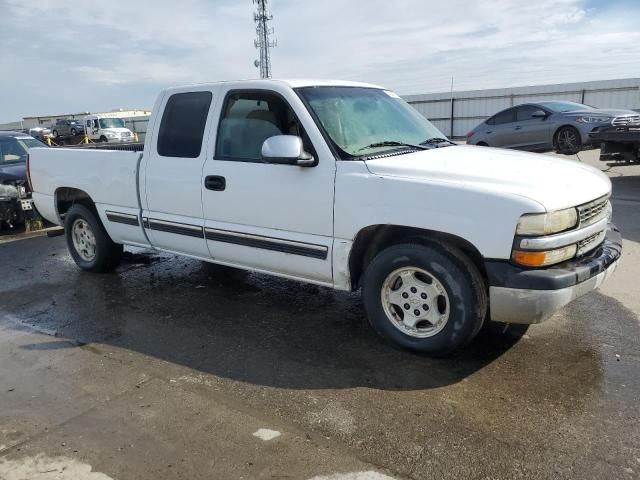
183 123
505 116
248 119
525 113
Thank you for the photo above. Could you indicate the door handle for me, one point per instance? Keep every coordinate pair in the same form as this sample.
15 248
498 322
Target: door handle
215 182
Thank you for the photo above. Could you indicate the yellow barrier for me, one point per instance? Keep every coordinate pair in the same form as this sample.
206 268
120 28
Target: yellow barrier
135 136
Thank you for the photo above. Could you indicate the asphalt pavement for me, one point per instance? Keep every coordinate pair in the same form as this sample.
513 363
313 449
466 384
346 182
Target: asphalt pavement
172 368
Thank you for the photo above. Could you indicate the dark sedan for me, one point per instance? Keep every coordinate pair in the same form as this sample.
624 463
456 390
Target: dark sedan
544 126
15 201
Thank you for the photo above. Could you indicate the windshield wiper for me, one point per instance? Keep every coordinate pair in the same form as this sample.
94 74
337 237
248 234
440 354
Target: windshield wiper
393 143
435 140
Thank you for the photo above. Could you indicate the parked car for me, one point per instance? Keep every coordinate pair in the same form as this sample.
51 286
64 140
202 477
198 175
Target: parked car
344 185
15 198
544 126
67 128
103 128
39 133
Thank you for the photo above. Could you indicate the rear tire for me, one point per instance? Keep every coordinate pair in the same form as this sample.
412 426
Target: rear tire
482 144
428 284
568 141
88 242
103 139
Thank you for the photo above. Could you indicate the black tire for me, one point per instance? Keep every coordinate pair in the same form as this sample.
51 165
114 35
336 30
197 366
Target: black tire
463 283
103 139
482 144
54 133
107 253
568 141
74 132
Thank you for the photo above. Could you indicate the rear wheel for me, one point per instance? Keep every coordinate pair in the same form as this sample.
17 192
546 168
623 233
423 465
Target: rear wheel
54 133
88 242
482 144
427 297
568 141
103 139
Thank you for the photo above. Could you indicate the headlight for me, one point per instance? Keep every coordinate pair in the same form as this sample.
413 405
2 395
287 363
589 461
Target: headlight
542 259
547 223
591 119
111 135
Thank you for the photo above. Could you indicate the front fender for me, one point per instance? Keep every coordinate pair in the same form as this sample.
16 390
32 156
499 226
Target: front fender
486 219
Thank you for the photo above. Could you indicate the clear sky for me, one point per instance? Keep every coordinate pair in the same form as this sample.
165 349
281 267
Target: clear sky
58 56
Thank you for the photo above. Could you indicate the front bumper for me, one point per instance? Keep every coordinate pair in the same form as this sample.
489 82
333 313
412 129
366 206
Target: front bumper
518 295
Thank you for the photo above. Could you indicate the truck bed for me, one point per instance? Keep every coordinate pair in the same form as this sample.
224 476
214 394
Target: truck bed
108 176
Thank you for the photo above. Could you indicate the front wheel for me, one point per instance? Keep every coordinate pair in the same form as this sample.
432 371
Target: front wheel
425 296
88 242
568 141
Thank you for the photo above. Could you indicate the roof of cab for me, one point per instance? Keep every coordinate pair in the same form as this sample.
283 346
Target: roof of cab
293 83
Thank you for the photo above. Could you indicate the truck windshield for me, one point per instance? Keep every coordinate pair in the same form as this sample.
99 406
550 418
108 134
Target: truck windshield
111 123
364 121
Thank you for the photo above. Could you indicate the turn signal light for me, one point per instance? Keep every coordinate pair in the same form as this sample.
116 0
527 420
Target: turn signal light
543 259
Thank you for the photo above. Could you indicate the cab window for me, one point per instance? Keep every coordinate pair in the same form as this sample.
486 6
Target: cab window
248 119
183 123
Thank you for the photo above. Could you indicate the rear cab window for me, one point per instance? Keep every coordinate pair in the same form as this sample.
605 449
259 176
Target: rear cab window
183 123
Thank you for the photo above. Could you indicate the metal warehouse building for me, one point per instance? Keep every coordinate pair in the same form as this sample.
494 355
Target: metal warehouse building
455 114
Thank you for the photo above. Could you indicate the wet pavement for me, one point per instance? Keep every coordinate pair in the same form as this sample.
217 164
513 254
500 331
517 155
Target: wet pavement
171 368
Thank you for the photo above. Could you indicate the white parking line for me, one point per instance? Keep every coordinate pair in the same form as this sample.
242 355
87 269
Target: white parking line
266 434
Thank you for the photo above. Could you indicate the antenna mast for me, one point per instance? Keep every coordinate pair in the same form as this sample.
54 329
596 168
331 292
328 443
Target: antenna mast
262 16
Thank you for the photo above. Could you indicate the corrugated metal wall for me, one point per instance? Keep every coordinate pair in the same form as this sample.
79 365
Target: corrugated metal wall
138 125
472 107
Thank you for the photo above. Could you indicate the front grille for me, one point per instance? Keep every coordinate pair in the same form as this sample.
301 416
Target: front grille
590 243
626 121
593 211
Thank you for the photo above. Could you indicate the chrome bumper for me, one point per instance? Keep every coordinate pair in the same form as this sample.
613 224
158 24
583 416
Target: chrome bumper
516 305
519 295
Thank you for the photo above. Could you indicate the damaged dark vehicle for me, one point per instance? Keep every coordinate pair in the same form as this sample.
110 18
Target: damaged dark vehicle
15 198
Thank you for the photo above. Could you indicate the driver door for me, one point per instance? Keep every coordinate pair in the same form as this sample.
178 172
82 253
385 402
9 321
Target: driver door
272 217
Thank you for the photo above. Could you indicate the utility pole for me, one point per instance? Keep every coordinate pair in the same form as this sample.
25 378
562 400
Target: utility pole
262 16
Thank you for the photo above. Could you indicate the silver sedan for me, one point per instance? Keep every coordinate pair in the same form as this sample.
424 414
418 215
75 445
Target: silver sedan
544 126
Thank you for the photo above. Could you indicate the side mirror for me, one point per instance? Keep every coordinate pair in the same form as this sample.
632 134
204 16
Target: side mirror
286 150
539 114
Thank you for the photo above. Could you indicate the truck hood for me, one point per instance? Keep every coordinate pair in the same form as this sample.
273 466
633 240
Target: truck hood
550 181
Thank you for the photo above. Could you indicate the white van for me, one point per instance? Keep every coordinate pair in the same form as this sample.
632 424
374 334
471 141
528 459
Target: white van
105 128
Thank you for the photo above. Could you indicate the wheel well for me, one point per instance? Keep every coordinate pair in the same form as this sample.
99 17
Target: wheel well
66 197
482 144
555 134
371 240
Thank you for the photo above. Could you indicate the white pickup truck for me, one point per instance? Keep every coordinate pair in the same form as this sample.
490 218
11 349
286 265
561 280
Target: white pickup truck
343 185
